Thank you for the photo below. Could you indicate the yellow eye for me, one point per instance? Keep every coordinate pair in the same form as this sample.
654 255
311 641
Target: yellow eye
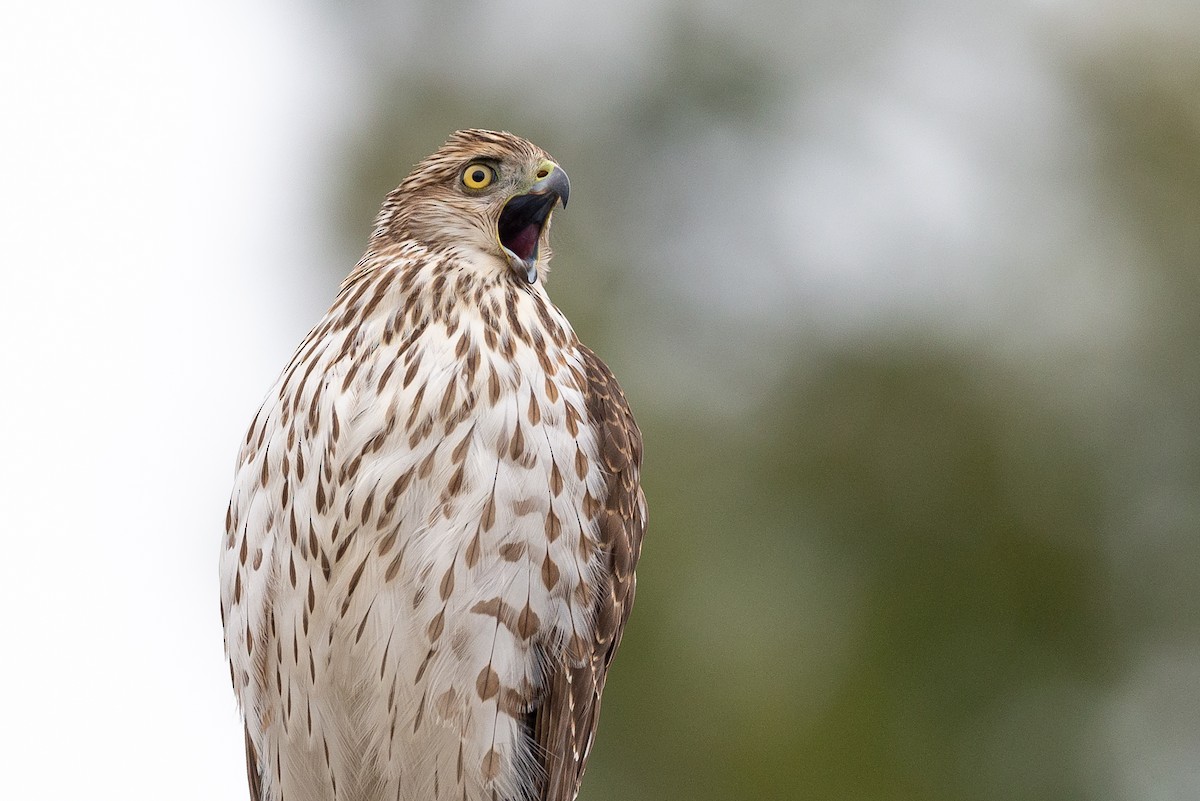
478 176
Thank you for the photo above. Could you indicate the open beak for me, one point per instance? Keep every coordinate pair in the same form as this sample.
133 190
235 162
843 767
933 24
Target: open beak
526 216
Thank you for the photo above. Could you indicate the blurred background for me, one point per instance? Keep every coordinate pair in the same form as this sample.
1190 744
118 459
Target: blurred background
905 296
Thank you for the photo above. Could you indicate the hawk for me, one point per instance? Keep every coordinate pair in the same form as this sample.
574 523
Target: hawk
430 547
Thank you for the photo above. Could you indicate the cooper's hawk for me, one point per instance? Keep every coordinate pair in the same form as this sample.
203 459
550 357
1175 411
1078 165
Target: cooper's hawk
430 549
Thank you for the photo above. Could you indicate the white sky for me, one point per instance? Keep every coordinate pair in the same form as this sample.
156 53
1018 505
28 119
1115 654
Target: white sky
147 149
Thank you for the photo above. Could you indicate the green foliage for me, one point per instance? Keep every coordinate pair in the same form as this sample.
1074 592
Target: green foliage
887 565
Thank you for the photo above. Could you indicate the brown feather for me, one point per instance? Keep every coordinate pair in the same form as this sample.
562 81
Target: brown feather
564 724
252 768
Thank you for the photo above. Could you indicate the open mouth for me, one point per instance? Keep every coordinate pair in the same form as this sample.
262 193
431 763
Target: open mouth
521 223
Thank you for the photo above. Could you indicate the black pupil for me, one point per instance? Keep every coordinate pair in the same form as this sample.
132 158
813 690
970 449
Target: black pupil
478 176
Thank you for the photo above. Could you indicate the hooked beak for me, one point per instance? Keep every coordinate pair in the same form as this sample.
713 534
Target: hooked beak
526 216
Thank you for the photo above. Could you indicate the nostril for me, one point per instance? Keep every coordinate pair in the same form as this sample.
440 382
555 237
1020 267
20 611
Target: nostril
542 173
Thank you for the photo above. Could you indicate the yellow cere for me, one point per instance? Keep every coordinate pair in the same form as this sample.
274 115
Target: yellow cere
478 176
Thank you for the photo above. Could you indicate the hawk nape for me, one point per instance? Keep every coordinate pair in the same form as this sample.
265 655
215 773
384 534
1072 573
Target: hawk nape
430 548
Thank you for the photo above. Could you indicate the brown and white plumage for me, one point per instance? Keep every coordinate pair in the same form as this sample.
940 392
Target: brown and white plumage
430 548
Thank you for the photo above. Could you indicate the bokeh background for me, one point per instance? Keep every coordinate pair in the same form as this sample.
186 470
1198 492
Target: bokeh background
905 296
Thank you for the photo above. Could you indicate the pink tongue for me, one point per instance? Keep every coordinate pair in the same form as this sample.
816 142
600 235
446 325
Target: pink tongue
524 242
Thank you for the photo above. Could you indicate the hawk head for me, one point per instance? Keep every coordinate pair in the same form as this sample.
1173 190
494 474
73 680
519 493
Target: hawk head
485 193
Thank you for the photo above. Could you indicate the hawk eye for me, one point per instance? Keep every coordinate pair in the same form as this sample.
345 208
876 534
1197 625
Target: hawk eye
478 176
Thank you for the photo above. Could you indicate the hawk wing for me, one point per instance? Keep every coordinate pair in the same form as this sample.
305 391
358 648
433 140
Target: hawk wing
564 723
252 769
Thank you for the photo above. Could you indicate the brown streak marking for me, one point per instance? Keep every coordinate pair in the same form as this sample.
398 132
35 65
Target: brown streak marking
491 765
493 385
472 364
528 622
448 398
424 664
362 626
421 432
512 551
385 544
544 315
583 594
487 684
356 577
473 551
553 525
420 713
394 567
445 703
489 512
365 515
383 663
426 466
436 626
455 484
398 488
374 302
550 573
516 446
410 374
460 451
385 376
542 355
350 470
312 365
525 506
512 703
